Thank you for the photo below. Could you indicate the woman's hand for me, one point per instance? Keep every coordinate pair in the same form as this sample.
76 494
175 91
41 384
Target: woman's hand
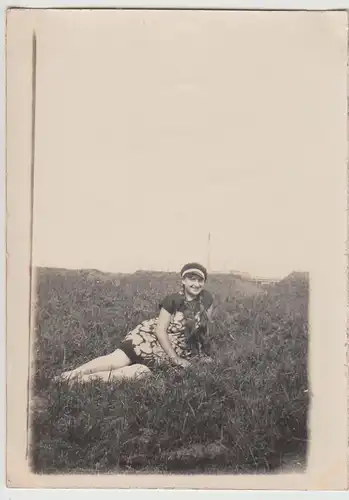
182 362
203 360
206 359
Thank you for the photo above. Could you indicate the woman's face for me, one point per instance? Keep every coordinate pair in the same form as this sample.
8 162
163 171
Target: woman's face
193 284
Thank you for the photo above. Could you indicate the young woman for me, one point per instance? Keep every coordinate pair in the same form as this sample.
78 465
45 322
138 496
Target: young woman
179 335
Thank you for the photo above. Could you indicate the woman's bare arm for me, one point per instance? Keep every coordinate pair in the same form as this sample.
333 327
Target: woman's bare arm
161 333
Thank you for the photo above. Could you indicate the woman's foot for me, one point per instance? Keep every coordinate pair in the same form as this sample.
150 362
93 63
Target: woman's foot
67 376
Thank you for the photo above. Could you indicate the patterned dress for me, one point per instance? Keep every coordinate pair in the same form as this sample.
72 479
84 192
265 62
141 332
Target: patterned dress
141 345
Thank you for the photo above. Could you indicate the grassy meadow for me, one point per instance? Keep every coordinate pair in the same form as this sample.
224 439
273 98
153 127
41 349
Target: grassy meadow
245 412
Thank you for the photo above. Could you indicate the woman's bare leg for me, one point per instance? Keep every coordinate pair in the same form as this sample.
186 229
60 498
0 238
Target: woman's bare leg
127 372
113 361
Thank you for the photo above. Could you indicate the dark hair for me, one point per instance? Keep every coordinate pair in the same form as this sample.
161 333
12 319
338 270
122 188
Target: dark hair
194 266
196 335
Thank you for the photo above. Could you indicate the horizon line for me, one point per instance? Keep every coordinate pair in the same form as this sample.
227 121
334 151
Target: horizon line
241 274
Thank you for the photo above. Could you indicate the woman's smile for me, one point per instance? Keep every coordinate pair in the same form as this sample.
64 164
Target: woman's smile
193 284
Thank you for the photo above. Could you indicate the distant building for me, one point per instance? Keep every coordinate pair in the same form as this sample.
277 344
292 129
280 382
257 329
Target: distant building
241 274
259 280
264 281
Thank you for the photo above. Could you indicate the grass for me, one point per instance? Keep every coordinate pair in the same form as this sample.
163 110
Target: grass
245 412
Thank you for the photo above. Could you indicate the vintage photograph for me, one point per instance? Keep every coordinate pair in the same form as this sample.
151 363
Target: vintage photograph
163 371
171 327
172 241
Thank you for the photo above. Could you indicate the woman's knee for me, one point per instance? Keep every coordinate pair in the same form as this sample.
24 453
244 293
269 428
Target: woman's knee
119 358
132 372
142 370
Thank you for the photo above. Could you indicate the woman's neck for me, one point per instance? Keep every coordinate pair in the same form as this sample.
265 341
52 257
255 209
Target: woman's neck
189 298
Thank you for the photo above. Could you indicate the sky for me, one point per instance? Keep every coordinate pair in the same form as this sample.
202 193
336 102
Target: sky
155 129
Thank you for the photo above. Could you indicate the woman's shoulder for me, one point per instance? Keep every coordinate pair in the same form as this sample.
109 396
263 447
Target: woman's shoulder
207 298
172 302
